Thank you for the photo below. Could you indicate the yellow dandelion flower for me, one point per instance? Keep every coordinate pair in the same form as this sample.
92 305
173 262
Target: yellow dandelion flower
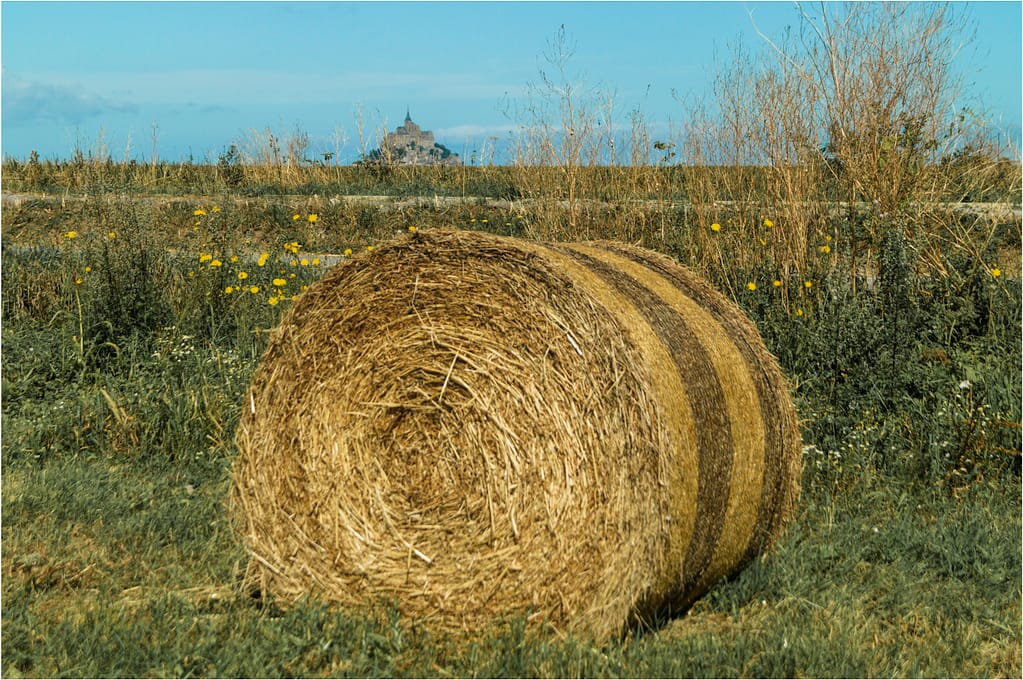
198 212
78 281
294 262
313 217
71 234
112 235
191 274
348 252
751 286
316 261
292 275
296 217
88 269
303 287
229 289
304 262
996 272
253 289
776 283
808 284
799 312
263 257
412 228
369 248
205 257
242 276
279 282
825 249
484 220
216 263
216 208
272 301
768 223
715 227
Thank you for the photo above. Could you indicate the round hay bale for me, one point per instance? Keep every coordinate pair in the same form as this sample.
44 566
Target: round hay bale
479 427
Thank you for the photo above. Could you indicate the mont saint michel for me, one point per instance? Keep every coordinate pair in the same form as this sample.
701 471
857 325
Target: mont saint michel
409 144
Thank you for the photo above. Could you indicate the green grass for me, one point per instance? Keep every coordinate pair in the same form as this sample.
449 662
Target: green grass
129 570
117 559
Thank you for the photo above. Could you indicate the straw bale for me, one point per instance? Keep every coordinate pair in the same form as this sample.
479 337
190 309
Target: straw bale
478 427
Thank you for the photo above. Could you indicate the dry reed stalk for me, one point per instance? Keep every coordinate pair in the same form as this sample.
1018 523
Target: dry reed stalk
481 427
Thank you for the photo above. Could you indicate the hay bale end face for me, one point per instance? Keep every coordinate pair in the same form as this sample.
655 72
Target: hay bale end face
480 427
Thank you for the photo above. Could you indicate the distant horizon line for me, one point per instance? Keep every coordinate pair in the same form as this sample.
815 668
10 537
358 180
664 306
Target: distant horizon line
488 142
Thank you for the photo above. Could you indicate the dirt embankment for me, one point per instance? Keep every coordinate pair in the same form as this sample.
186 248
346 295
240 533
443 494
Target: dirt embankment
996 212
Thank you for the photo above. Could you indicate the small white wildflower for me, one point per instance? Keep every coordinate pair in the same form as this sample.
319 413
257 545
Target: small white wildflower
965 385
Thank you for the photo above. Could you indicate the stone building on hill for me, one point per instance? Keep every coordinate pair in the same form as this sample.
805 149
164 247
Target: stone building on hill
409 144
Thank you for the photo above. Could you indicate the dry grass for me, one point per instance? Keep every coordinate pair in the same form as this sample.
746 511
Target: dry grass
480 427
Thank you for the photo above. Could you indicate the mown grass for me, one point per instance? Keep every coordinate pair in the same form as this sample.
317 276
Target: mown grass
122 387
127 570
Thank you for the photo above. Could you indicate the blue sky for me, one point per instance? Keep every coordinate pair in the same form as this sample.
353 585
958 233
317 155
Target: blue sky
205 75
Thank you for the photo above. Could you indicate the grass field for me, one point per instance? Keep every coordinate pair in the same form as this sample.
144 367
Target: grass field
132 322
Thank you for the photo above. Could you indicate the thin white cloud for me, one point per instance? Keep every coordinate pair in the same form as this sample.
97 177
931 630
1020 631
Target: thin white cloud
240 86
470 130
28 101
